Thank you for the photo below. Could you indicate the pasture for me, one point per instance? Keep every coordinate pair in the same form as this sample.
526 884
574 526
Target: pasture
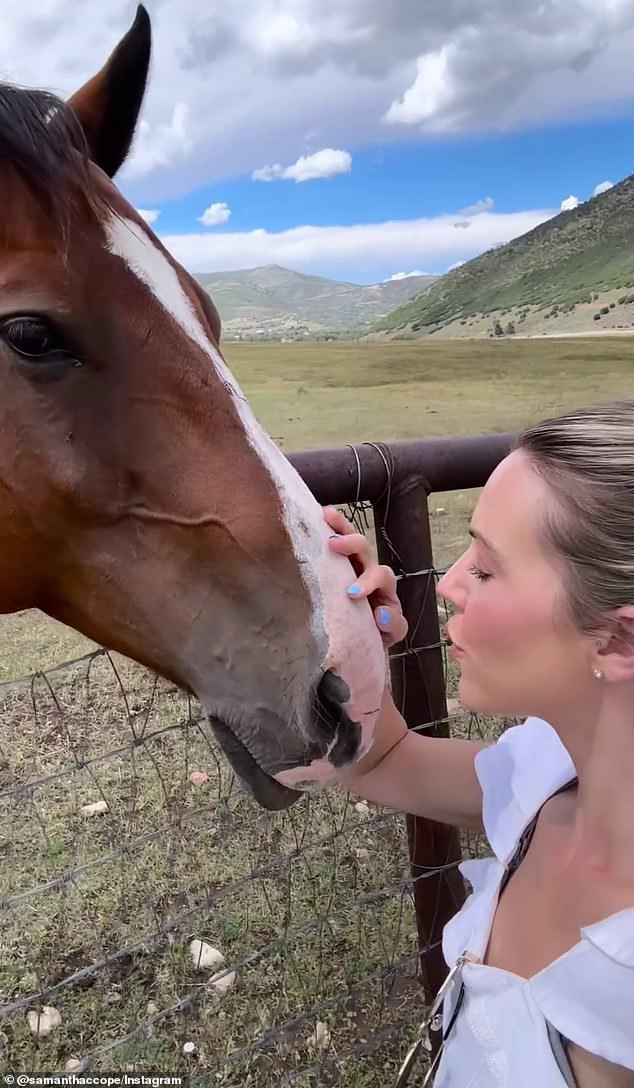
170 859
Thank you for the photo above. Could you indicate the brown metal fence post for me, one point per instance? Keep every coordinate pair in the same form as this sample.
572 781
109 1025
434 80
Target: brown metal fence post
418 687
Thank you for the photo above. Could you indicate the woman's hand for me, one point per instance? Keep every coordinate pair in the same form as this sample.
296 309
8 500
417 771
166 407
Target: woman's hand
375 581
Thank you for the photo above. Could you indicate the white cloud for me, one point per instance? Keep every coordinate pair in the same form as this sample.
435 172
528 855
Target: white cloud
236 85
161 144
406 275
428 93
484 67
487 204
351 248
570 203
149 214
215 214
321 164
456 264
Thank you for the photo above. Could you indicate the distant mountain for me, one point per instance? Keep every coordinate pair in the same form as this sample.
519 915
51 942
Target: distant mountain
274 301
573 273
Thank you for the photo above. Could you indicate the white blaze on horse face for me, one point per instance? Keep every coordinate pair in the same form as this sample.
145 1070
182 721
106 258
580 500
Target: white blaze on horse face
346 630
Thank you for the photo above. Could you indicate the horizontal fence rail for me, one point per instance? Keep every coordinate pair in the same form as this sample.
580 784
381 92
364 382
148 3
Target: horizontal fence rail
361 473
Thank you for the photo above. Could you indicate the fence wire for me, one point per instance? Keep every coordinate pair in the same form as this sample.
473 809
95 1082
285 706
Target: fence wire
124 837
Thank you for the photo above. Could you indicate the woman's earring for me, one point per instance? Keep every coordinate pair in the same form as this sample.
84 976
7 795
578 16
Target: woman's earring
598 673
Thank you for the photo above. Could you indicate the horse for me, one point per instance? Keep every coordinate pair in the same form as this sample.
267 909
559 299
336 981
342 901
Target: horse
142 503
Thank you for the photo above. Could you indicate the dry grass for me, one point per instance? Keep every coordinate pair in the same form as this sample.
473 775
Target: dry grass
281 895
170 861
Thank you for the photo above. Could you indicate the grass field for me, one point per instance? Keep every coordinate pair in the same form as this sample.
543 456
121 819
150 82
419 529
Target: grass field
170 861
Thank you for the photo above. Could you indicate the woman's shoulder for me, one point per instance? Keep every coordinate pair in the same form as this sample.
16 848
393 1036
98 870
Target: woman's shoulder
526 766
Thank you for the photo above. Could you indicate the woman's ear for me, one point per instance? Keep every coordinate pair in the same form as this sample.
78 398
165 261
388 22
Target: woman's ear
614 656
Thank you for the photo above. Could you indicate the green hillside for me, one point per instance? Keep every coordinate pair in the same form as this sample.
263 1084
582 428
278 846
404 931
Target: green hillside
567 262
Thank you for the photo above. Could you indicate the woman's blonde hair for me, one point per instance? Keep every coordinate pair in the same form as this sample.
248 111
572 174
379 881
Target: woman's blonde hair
586 457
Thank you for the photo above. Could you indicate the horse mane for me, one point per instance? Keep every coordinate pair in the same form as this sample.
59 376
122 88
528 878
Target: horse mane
42 142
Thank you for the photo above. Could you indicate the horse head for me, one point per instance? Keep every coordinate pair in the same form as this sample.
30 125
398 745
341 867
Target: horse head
142 503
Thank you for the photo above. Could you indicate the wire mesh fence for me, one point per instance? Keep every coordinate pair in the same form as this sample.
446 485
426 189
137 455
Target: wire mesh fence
125 838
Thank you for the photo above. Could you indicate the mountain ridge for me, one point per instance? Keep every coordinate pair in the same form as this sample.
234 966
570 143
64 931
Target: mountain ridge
571 273
275 301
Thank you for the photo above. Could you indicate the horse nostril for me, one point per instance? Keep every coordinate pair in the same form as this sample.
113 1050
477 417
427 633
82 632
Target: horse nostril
330 695
342 734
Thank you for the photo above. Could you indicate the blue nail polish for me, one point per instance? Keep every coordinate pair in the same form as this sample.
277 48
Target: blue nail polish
353 590
384 617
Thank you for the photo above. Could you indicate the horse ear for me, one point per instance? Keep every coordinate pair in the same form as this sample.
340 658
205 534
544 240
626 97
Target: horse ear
108 106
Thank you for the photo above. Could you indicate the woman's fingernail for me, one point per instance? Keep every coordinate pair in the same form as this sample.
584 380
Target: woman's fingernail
384 617
334 536
353 590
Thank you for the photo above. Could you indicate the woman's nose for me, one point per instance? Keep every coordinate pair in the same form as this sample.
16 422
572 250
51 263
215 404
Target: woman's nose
448 587
443 586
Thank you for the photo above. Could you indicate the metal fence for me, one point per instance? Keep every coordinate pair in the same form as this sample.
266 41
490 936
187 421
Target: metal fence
125 842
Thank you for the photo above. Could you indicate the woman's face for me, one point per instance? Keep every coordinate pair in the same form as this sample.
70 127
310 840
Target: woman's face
517 653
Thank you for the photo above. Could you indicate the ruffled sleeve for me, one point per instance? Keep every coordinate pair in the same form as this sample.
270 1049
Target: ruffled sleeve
517 775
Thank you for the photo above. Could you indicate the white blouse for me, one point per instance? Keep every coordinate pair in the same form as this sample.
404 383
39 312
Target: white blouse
500 1036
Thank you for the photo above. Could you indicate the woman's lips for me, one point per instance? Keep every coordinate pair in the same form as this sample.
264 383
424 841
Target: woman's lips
455 651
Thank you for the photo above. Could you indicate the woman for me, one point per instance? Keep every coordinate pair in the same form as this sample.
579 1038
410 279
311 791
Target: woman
542 628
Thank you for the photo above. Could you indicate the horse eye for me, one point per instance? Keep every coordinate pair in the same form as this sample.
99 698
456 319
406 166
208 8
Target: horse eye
34 338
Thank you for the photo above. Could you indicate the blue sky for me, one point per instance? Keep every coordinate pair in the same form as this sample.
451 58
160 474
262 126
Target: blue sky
405 119
531 169
538 168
